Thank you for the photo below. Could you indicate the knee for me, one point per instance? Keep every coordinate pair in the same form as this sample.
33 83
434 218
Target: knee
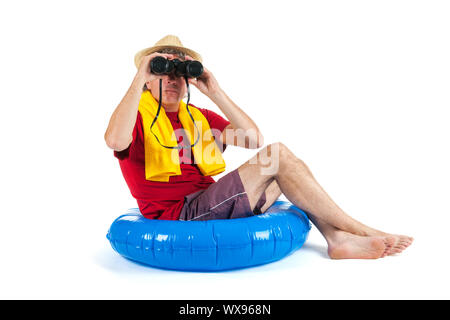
283 154
281 151
276 149
274 156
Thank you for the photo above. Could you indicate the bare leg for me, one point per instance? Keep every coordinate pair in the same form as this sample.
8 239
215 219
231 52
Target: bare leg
297 183
273 192
340 244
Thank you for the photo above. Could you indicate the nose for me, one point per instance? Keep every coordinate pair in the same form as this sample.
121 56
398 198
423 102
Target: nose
172 76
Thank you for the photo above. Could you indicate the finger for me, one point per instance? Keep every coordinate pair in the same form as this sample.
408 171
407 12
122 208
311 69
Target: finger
192 81
157 54
205 74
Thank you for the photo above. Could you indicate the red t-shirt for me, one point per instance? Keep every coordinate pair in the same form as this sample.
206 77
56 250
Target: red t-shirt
164 200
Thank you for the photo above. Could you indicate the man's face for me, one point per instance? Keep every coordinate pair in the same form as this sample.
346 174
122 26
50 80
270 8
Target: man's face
173 88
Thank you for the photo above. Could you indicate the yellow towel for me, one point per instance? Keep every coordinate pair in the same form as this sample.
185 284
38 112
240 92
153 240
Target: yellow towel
160 162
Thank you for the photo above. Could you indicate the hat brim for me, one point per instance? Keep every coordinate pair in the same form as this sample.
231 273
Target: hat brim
145 52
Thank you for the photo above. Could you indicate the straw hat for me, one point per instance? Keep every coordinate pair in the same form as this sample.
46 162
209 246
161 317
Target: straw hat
169 41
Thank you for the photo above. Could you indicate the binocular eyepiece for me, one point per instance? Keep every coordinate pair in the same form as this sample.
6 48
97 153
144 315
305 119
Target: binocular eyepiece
188 68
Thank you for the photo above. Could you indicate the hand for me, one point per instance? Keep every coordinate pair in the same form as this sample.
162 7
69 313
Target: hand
206 83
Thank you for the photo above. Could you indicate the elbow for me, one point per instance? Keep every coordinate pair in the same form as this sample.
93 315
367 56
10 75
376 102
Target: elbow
116 144
257 142
260 141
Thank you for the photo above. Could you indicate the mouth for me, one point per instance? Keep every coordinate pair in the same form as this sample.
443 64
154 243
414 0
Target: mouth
171 90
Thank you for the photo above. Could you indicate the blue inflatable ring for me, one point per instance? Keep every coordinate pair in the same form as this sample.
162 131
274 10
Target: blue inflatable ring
211 245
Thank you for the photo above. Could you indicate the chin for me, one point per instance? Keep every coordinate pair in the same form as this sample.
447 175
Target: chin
171 99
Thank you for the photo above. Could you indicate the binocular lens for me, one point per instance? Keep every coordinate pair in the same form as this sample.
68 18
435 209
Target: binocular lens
160 65
194 69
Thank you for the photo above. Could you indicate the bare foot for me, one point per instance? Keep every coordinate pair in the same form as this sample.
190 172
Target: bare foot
401 242
345 245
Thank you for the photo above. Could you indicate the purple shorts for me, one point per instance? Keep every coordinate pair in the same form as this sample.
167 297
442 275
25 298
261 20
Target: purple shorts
224 199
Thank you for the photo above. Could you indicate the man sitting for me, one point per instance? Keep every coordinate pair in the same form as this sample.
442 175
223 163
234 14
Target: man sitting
168 153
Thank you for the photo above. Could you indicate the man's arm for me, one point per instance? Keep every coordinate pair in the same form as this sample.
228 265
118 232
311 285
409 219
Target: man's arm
242 131
119 133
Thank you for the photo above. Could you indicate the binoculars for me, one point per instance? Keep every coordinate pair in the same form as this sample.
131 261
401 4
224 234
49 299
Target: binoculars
188 68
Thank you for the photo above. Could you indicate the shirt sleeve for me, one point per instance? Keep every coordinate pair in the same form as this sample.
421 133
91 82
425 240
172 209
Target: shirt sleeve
217 124
124 154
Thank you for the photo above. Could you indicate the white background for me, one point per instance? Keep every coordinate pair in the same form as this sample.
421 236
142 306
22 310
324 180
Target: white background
358 89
